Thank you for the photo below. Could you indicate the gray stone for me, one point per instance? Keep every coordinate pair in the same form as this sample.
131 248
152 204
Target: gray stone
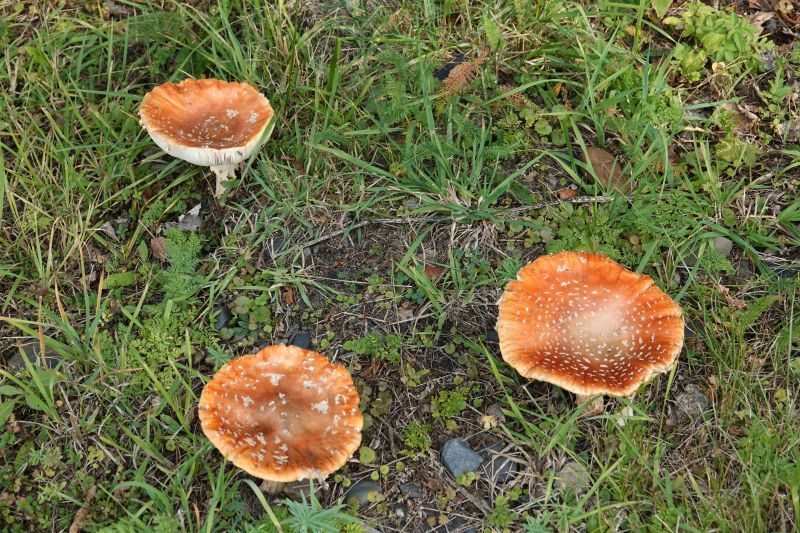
361 490
496 410
189 221
308 251
401 511
786 270
301 339
458 458
691 403
744 270
456 524
31 351
573 476
223 317
723 245
409 490
277 245
411 203
500 468
297 490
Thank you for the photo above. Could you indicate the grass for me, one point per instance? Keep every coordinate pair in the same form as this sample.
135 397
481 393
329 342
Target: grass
468 170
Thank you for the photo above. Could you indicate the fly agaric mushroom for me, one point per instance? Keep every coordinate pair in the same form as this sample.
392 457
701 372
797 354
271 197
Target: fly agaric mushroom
588 325
282 414
210 123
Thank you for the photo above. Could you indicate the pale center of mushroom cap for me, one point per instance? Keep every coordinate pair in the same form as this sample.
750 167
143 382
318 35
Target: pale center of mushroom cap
218 116
597 331
587 324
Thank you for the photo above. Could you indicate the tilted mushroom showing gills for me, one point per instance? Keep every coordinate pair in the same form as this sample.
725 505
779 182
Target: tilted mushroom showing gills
585 323
282 414
210 123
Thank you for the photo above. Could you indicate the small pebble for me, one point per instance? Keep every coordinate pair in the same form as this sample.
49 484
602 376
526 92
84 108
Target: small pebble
744 269
223 317
16 362
723 245
308 251
276 245
573 476
361 490
691 403
409 490
771 26
301 339
496 410
458 458
400 511
501 468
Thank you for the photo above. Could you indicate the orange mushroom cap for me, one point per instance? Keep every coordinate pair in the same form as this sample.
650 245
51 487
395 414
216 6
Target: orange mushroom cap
211 123
206 122
282 414
588 325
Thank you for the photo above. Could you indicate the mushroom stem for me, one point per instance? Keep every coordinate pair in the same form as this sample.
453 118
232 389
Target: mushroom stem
223 172
595 403
271 487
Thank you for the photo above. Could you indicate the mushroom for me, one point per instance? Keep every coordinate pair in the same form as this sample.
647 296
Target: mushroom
588 325
211 123
282 414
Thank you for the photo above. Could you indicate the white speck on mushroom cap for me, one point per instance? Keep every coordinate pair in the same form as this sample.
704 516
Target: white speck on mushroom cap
585 323
284 444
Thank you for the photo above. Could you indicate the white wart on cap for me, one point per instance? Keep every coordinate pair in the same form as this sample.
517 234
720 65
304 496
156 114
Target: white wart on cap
586 324
282 414
211 123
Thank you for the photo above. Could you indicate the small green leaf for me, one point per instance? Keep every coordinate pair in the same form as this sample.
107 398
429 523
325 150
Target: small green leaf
661 7
366 455
6 408
492 32
143 251
120 279
542 127
8 390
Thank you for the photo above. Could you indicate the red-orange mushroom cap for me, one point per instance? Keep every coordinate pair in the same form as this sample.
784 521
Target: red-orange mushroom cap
207 122
587 324
282 414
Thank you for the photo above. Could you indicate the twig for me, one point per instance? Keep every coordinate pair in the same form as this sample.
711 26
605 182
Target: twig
394 220
408 220
575 200
83 512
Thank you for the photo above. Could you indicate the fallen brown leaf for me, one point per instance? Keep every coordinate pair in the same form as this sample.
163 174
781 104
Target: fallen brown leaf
288 296
296 164
787 12
759 18
566 193
83 512
732 300
405 311
607 169
488 421
158 247
462 75
434 272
